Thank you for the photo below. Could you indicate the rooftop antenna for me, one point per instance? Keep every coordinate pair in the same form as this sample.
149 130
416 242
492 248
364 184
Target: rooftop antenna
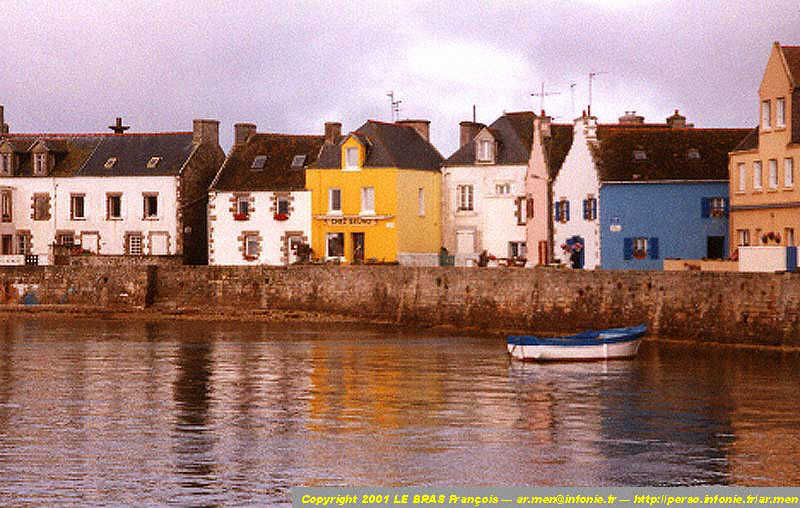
591 77
473 114
394 106
542 94
572 97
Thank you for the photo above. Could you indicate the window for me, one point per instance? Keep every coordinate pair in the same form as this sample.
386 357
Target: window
65 239
298 162
114 206
742 176
485 150
258 163
718 207
757 175
110 162
283 205
40 164
502 189
421 202
640 248
153 162
766 115
590 208
41 206
150 206
523 213
368 200
134 244
639 155
561 210
465 199
334 245
742 237
693 154
243 206
517 250
334 200
780 112
23 243
5 164
351 155
5 205
788 172
772 164
76 207
251 246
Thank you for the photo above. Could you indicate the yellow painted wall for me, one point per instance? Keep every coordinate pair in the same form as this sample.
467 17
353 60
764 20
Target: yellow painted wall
773 144
419 234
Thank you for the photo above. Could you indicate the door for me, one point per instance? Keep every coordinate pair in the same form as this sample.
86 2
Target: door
358 247
715 247
8 244
294 243
576 251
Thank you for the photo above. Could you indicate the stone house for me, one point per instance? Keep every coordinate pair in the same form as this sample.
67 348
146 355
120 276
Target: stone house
259 211
764 195
631 194
110 194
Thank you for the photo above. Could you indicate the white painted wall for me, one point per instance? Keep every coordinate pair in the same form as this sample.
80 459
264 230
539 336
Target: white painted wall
225 231
578 178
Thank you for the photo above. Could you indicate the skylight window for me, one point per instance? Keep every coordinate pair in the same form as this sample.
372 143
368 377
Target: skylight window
298 162
259 162
693 154
153 162
639 155
110 162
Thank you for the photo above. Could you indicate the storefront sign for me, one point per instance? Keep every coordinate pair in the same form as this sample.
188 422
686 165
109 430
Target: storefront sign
352 220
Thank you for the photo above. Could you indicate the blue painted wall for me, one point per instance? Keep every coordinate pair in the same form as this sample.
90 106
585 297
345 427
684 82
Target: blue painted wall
672 213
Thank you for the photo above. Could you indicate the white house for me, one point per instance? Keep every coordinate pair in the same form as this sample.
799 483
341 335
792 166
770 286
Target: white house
259 211
483 187
109 194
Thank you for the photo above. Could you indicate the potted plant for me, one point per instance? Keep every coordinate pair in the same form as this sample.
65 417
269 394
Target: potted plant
240 216
280 216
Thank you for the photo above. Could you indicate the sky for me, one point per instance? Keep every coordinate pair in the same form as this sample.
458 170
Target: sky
290 66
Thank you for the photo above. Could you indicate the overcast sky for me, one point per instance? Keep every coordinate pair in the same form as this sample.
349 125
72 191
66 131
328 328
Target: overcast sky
289 66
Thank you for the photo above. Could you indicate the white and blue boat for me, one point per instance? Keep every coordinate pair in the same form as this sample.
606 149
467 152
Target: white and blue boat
590 345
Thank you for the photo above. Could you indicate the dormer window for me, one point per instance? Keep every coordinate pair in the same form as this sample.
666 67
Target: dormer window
780 112
298 162
351 158
485 150
258 163
153 162
40 164
766 115
5 164
639 155
110 162
693 154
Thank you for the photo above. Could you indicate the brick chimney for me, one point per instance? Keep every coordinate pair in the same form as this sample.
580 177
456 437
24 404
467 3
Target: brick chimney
590 128
467 131
544 124
630 117
423 127
677 121
3 125
332 132
242 131
205 131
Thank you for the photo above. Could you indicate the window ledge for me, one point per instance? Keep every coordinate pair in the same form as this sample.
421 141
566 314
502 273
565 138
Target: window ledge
80 219
772 189
151 218
790 188
114 218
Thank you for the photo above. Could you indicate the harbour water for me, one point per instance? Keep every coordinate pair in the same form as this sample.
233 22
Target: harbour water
231 413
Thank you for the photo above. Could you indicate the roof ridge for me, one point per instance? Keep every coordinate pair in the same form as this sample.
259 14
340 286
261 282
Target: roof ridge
292 135
46 135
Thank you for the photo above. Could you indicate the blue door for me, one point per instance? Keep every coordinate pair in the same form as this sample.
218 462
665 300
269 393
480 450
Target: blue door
576 247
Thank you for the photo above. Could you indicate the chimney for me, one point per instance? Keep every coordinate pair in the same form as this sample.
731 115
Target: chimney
544 122
3 126
205 132
590 128
468 130
630 117
423 127
677 121
332 132
118 128
242 131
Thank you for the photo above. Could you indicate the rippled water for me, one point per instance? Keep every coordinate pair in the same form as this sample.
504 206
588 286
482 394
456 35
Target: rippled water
195 413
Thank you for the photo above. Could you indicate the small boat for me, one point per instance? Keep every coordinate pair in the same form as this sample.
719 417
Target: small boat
589 345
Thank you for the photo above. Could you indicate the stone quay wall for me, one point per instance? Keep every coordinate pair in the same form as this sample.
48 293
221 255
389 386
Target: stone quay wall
742 308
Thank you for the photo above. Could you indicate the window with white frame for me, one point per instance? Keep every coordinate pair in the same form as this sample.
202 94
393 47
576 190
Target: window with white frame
77 209
788 172
150 205
757 175
523 212
351 156
243 206
766 115
41 206
5 205
742 176
283 205
135 244
590 208
367 200
114 206
780 112
251 246
517 250
40 164
5 164
464 195
23 243
485 150
742 237
772 166
421 201
67 239
502 189
717 207
561 209
334 245
639 247
334 200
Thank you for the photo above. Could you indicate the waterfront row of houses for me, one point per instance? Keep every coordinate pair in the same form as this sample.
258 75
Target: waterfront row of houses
523 190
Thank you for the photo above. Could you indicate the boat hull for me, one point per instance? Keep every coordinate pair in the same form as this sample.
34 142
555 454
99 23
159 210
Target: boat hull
601 345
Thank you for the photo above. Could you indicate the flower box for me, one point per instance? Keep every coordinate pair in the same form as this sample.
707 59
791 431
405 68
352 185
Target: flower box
280 216
240 216
639 254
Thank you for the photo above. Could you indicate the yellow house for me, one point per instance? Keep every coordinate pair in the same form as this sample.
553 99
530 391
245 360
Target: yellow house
375 195
764 192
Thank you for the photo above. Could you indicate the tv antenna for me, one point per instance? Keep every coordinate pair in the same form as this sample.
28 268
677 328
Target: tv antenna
394 106
542 94
572 97
591 77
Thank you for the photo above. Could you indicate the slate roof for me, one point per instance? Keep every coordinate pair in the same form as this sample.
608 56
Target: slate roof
71 151
558 144
237 174
388 145
514 133
666 152
792 56
750 142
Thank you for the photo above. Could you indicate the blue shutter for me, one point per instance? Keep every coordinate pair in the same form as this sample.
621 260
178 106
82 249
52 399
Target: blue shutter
725 204
586 209
627 249
566 211
652 246
705 206
557 209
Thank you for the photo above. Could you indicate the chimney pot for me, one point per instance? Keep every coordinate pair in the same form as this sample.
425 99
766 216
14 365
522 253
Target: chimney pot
467 131
677 121
242 131
332 132
3 126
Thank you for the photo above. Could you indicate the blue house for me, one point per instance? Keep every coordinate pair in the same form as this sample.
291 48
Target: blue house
663 192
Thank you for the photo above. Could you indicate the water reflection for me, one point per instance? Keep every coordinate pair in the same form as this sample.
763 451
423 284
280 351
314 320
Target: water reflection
108 412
